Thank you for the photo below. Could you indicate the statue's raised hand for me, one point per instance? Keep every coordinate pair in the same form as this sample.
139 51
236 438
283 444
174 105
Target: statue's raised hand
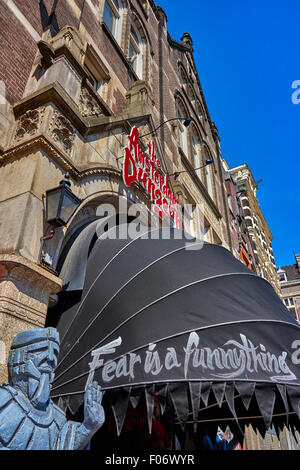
93 410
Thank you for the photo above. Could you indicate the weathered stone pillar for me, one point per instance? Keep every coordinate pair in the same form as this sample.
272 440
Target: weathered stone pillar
25 288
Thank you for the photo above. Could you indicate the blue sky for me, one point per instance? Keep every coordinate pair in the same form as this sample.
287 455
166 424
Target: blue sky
247 56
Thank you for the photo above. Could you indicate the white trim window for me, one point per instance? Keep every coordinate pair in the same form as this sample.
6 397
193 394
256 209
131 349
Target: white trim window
112 17
136 48
98 74
191 95
189 219
183 77
206 233
289 302
199 110
282 275
182 130
208 174
196 151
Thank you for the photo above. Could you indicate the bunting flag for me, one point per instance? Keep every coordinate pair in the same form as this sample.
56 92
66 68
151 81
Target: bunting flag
162 316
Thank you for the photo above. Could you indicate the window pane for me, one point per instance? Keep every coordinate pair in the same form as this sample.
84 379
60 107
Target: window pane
53 199
68 207
109 17
116 3
134 35
132 51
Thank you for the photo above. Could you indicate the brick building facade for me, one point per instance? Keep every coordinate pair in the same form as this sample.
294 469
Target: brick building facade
242 246
289 278
259 233
78 75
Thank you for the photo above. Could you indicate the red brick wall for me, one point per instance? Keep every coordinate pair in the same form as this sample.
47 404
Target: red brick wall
37 13
17 53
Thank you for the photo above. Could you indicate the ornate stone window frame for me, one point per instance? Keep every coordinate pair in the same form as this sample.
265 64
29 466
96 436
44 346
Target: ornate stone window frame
98 73
208 170
116 8
138 39
137 47
183 135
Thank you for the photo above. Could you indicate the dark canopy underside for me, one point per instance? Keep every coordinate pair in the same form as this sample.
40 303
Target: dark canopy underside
193 327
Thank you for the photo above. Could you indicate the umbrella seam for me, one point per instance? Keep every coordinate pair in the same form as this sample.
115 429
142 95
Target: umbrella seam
117 292
91 286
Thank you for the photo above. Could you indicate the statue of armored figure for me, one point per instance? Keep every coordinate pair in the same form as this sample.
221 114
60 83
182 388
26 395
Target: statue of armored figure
29 420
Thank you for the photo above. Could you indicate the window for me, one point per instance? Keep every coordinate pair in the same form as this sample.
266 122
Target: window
293 312
182 130
191 94
112 18
230 202
136 52
282 275
98 74
196 151
96 84
289 302
189 211
206 231
183 77
208 173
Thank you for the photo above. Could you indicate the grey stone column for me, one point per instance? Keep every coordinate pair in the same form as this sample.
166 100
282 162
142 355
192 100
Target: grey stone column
24 295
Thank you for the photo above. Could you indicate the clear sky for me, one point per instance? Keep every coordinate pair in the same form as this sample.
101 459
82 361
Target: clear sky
247 56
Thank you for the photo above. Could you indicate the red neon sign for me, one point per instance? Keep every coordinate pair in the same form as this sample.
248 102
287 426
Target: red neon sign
144 168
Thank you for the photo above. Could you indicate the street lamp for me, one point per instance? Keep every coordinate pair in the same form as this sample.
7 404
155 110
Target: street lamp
61 203
177 173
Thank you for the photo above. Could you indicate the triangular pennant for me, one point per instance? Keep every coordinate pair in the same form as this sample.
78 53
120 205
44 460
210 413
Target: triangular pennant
219 391
261 427
246 390
149 395
118 399
195 394
296 435
277 429
135 395
237 432
205 390
292 429
229 395
62 404
265 397
294 396
282 390
74 402
179 396
161 391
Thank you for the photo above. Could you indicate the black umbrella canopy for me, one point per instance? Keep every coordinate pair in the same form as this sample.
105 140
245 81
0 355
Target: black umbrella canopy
187 323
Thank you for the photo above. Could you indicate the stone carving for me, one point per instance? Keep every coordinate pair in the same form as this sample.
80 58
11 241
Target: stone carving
28 124
62 132
88 106
28 417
